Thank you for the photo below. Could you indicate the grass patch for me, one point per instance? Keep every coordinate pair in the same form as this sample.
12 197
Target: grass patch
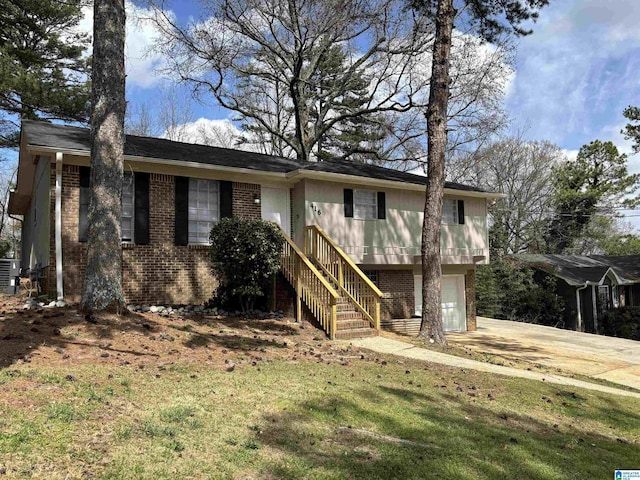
313 420
268 399
62 412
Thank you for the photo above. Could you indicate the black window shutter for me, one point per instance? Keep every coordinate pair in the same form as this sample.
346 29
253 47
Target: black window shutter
141 216
85 193
226 199
382 206
348 203
461 212
181 224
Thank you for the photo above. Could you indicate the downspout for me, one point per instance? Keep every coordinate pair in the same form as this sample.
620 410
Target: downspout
58 227
579 307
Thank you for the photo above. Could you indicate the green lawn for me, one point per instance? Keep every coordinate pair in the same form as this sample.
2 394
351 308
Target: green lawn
304 418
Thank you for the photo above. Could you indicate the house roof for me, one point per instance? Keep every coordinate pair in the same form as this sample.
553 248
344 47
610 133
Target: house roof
581 269
76 139
64 137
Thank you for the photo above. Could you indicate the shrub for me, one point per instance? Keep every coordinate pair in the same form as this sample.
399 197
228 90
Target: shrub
246 253
621 322
512 292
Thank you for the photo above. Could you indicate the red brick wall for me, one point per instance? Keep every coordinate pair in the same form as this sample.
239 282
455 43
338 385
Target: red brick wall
398 296
158 273
470 295
244 204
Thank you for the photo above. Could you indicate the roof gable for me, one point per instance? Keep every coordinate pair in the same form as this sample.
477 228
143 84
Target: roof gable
583 269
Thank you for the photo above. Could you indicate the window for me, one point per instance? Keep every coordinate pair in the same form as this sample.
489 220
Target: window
365 205
604 299
615 295
450 212
204 208
127 202
371 275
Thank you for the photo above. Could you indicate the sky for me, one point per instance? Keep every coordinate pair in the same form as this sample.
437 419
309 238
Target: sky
573 76
577 72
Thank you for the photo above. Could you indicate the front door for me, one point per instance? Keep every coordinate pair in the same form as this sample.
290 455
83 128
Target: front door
454 316
276 207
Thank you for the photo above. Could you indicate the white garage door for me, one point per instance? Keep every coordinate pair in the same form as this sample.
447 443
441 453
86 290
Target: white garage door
454 314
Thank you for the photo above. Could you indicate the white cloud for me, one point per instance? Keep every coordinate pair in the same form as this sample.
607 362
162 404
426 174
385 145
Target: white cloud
570 154
141 62
214 132
578 70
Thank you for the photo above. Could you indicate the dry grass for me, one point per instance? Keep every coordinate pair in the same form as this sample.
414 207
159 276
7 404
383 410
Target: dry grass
217 398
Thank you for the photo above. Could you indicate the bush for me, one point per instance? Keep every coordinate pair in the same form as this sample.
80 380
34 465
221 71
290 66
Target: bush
246 253
621 322
512 292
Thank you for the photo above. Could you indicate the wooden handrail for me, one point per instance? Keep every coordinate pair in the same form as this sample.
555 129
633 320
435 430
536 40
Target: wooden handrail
311 287
344 272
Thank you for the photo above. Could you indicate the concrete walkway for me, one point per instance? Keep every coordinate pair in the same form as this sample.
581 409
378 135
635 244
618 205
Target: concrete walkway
402 349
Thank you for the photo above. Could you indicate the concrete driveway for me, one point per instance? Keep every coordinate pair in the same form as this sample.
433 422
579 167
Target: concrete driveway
613 359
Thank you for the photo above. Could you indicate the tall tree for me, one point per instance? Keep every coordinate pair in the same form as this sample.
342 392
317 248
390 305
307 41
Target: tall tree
632 129
102 288
522 170
595 184
43 70
490 19
263 59
295 74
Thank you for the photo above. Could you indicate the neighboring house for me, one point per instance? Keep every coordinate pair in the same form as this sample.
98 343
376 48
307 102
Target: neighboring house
173 192
590 285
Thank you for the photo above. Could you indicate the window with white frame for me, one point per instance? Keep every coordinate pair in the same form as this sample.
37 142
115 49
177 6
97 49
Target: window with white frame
127 202
450 212
204 208
365 204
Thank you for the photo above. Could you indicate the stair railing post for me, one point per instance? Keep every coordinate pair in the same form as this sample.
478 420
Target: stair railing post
334 318
298 270
376 316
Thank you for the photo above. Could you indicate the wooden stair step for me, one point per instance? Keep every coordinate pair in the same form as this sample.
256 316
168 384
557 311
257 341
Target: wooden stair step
356 333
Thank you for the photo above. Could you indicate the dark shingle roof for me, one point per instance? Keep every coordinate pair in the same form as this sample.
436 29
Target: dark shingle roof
626 265
77 138
380 173
580 269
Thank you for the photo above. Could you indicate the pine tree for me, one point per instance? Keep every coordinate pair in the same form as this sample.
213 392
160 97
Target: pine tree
596 183
43 70
102 288
490 19
632 130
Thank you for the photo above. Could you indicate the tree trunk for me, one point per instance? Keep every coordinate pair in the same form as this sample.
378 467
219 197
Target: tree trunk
102 289
431 326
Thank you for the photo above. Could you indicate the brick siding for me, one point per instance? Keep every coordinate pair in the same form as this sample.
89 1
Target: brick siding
397 287
244 205
470 295
159 272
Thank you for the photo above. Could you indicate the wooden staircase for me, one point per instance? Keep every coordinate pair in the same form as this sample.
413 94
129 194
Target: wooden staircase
343 300
350 322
